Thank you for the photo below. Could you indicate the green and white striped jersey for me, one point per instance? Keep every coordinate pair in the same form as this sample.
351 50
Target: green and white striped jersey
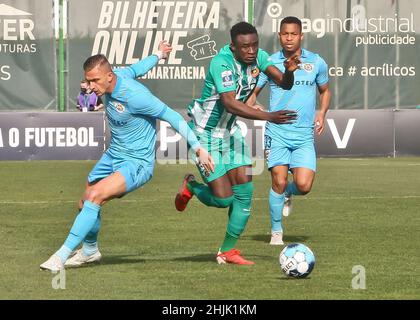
225 74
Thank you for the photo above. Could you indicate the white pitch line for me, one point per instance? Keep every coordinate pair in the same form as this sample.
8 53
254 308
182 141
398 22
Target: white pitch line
170 198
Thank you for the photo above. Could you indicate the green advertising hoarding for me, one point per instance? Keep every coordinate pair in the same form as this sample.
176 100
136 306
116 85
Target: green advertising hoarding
27 55
126 31
371 47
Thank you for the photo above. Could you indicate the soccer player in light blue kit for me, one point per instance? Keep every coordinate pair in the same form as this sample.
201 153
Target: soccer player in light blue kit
128 163
291 146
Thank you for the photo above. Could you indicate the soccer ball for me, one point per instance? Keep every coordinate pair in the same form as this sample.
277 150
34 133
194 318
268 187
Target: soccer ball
297 260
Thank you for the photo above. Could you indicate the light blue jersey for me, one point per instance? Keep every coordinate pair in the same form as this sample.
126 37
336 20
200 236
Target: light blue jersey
303 95
132 110
293 144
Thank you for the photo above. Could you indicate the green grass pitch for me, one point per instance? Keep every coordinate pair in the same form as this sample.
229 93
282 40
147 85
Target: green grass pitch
360 212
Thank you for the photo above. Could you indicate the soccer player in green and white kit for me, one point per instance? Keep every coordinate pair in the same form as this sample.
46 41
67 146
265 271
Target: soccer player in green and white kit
232 75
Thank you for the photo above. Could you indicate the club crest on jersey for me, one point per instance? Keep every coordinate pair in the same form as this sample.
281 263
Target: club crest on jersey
120 108
227 78
308 67
255 72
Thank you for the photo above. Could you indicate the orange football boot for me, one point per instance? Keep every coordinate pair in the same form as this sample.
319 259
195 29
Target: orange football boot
232 256
184 195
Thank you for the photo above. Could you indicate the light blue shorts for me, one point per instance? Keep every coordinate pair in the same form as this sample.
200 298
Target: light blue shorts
297 150
136 172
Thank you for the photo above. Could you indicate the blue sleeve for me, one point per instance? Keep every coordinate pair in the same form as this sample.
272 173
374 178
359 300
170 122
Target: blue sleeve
322 76
140 68
144 103
262 80
180 125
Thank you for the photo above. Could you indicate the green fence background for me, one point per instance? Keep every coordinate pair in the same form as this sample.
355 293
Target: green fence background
41 62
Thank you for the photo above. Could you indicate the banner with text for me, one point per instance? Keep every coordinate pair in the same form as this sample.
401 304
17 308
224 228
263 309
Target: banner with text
126 31
51 135
371 47
27 55
348 133
82 136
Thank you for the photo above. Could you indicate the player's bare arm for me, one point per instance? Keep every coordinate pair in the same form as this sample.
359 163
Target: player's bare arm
324 102
240 109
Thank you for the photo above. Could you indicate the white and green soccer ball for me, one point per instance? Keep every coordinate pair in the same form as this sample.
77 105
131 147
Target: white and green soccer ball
297 260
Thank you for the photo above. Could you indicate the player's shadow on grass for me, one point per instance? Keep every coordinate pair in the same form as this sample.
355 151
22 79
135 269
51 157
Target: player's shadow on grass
284 278
286 238
121 259
197 258
212 258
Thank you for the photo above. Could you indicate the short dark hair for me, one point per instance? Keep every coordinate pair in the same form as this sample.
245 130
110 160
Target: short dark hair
242 28
291 19
96 60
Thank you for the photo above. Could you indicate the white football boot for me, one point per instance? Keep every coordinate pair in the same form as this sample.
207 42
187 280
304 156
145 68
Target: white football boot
79 259
287 208
219 259
276 238
53 264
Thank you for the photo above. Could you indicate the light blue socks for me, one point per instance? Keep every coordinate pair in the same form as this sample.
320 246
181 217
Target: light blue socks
276 203
63 253
90 244
83 224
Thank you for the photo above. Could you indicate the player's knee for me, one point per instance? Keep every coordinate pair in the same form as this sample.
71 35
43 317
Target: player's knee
94 195
304 187
279 184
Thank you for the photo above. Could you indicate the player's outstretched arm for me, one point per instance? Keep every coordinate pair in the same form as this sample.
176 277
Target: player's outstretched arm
240 109
144 103
284 80
140 68
180 125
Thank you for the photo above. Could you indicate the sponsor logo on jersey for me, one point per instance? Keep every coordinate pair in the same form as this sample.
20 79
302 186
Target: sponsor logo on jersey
227 78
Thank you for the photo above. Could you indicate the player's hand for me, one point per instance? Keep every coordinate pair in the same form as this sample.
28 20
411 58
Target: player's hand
205 160
319 123
292 63
166 48
283 116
